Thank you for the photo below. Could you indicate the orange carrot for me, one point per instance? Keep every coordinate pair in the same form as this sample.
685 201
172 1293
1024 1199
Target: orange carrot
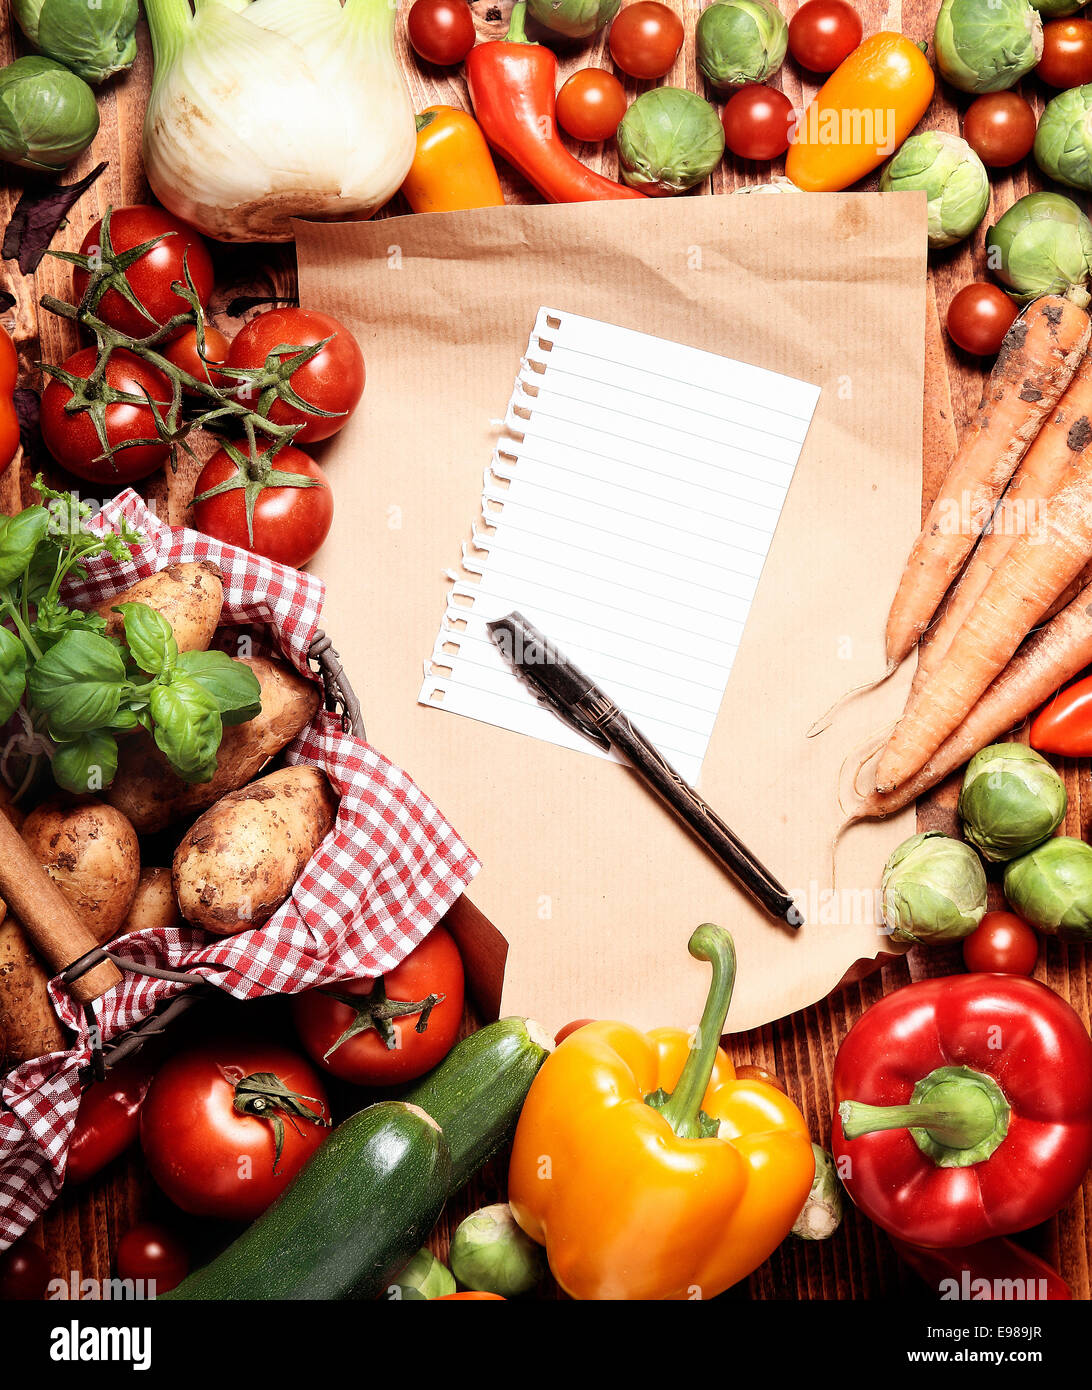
1036 362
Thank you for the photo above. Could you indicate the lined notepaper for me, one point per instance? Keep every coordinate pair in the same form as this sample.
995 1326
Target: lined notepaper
627 512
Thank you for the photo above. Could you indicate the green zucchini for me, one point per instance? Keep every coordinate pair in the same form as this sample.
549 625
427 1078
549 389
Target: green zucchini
350 1220
476 1093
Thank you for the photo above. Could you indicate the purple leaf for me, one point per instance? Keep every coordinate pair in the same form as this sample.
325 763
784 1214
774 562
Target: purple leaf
41 209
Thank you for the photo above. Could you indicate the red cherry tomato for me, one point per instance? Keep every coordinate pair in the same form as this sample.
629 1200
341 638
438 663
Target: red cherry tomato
332 380
1067 53
758 121
645 39
756 1073
24 1273
183 353
108 1120
823 33
210 1158
290 523
567 1028
441 31
151 276
321 1019
1000 128
590 105
1001 944
979 317
1064 724
72 439
154 1255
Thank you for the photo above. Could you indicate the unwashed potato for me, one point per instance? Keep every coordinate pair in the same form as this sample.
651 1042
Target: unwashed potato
152 795
154 906
240 860
189 596
91 853
28 1026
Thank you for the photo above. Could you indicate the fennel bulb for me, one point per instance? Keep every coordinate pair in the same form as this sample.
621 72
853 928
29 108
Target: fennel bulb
265 110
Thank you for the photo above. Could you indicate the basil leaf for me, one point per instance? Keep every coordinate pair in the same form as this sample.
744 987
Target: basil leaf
20 537
188 728
13 673
150 638
87 764
78 684
53 619
234 687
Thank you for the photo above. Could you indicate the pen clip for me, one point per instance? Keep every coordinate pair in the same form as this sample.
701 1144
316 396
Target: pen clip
573 719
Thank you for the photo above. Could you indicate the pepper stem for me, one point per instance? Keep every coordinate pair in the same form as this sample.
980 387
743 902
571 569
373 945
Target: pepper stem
517 26
682 1108
958 1117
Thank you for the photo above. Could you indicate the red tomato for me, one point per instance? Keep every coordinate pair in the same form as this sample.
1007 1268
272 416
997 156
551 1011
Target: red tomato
211 1159
823 33
72 439
590 105
9 420
108 1120
1067 53
755 1073
183 353
567 1028
441 31
1064 724
645 39
24 1273
152 1254
1001 944
321 1019
1000 128
151 276
290 523
332 380
758 121
477 1296
979 317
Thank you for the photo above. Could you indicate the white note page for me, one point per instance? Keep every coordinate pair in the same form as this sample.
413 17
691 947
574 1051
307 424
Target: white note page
627 513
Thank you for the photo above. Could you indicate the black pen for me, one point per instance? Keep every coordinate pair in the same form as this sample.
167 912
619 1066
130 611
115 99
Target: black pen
578 700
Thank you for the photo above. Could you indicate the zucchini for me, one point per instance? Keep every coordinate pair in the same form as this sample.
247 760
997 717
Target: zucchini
476 1093
350 1220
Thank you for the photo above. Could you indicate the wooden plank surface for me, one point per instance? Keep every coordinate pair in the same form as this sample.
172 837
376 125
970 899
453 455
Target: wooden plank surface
81 1232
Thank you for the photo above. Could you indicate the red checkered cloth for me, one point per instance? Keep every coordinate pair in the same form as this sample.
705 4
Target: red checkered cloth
373 890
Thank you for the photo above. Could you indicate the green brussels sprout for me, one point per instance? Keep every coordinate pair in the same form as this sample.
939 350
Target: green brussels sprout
576 19
1063 141
1057 9
740 41
1042 245
48 115
1011 801
490 1253
425 1275
668 141
1052 888
933 888
94 38
821 1214
950 174
987 45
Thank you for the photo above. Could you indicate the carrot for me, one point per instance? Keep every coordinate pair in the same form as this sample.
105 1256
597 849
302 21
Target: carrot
1036 362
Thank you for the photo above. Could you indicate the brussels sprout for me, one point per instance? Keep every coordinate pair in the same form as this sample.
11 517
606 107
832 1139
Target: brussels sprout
1063 141
490 1253
740 41
987 45
1057 9
1042 245
1052 888
1011 801
95 38
669 140
821 1214
425 1275
951 175
576 19
934 889
47 114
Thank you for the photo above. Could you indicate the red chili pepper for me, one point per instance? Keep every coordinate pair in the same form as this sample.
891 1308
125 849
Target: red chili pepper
512 87
9 421
995 1270
964 1108
1064 726
109 1119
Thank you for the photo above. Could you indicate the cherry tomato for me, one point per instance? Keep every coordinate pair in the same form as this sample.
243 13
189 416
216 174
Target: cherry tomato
645 39
151 1253
332 380
590 105
979 317
1067 53
321 1018
108 1120
755 1073
210 1158
290 523
477 1296
24 1272
758 121
183 353
567 1028
1001 944
1000 128
72 439
150 278
441 31
823 33
1064 724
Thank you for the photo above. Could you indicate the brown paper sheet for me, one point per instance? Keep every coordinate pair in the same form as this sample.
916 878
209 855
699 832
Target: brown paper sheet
595 887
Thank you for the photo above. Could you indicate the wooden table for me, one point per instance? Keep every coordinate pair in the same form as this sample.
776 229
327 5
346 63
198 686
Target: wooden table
82 1229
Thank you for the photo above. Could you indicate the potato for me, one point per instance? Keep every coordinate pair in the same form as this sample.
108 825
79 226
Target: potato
154 906
28 1025
152 795
90 851
240 860
189 596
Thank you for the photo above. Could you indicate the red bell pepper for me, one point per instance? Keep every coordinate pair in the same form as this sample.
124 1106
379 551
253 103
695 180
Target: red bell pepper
963 1108
109 1118
993 1270
1064 725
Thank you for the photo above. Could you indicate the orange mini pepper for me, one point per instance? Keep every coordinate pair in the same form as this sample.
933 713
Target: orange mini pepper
452 168
861 115
646 1168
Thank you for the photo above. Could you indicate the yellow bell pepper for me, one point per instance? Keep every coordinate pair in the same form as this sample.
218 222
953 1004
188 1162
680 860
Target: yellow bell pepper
646 1169
452 168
